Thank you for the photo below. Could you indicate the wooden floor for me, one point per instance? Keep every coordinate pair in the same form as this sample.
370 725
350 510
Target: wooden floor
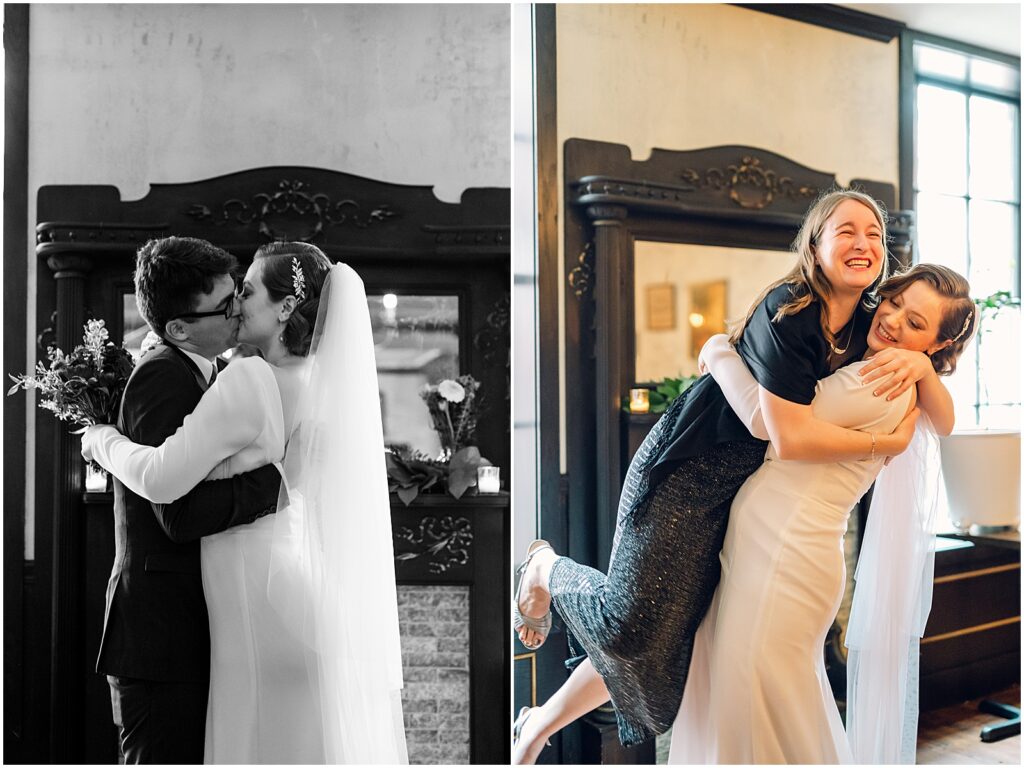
951 736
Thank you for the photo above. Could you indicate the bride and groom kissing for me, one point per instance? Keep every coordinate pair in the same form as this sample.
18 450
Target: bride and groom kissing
251 613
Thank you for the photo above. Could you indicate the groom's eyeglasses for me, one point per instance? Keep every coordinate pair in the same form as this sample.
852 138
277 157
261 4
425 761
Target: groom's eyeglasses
227 312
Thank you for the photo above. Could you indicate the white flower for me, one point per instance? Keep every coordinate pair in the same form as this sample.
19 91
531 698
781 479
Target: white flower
451 391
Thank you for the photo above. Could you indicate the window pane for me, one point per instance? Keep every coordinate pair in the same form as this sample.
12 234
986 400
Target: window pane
999 416
995 75
993 248
993 149
962 385
938 62
941 140
942 231
999 350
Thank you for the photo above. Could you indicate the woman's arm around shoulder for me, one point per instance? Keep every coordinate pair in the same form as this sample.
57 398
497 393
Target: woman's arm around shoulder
908 367
797 434
719 358
227 418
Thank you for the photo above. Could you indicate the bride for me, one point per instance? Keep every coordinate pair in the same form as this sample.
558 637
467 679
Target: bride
305 654
757 690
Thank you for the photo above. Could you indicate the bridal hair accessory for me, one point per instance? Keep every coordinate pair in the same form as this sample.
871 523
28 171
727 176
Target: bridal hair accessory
298 280
963 330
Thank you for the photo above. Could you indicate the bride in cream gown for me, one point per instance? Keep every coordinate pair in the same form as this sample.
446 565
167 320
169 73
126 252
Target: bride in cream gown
757 690
305 656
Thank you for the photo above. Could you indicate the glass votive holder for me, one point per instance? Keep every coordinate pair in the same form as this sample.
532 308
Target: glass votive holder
488 479
95 479
639 401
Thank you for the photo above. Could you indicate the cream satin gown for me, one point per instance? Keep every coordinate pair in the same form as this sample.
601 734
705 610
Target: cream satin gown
757 690
263 706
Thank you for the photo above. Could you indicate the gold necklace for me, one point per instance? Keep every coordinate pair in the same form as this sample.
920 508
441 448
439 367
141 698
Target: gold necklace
849 337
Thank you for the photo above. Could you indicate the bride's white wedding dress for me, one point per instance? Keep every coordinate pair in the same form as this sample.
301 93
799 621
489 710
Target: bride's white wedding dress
263 707
757 691
305 652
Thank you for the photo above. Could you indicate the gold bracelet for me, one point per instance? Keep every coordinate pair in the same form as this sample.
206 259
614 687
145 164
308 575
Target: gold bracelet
872 445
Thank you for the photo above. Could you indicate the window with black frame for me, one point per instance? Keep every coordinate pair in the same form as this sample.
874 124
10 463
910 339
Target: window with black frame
966 186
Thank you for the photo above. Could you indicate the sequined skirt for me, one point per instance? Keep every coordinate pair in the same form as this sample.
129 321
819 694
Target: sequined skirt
637 624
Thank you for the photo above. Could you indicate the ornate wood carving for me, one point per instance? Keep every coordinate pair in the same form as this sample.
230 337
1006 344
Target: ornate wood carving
494 340
750 185
292 212
582 275
445 541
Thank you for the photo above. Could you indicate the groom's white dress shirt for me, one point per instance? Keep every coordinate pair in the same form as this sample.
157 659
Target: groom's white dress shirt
205 366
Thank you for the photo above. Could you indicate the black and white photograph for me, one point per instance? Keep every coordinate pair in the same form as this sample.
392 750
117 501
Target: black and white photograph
766 384
258 435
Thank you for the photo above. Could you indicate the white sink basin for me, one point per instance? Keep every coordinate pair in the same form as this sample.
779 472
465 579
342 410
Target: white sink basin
982 472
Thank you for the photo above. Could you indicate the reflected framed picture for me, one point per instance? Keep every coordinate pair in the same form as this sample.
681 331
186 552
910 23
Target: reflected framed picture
661 307
707 313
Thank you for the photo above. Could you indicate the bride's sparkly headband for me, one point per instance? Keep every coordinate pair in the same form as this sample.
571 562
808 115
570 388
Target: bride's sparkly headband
963 330
298 280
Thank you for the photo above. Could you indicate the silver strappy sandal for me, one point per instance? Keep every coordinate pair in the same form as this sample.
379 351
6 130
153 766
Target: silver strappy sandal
543 624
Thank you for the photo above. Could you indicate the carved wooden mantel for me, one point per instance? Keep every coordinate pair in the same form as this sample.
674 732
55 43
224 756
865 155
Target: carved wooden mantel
394 235
731 196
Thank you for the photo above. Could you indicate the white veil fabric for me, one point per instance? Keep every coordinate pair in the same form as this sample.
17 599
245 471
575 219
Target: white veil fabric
891 602
332 573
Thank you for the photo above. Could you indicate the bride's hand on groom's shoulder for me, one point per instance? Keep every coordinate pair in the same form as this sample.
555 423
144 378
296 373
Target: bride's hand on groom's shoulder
151 340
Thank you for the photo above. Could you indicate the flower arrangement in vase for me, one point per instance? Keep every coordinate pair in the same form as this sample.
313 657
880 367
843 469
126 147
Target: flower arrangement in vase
452 404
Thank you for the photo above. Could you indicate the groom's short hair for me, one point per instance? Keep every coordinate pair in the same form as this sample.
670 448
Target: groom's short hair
171 272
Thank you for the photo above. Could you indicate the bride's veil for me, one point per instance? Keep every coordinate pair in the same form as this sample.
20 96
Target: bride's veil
332 574
891 602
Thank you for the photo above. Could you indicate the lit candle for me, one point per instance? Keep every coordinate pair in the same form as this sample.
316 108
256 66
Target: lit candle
639 401
95 479
488 479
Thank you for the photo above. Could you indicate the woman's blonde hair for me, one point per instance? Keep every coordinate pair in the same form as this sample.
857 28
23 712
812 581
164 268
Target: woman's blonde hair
811 283
959 315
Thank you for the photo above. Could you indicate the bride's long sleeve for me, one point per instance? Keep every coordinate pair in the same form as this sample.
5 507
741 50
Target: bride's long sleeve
736 381
221 425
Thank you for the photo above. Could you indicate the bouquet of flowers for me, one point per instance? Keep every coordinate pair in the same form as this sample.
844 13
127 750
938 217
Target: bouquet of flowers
83 387
452 405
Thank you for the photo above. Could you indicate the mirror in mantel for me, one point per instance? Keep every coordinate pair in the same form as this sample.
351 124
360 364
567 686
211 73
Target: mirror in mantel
683 294
416 342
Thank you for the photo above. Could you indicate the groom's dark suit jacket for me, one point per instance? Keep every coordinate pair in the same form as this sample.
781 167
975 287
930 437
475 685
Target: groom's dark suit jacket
156 626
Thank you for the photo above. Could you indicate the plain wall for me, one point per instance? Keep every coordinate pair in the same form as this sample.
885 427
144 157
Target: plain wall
132 95
692 76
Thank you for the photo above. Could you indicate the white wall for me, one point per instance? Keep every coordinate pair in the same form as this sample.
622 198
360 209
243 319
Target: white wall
131 95
136 94
693 76
664 353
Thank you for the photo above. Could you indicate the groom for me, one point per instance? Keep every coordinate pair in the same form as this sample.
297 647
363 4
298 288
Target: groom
155 649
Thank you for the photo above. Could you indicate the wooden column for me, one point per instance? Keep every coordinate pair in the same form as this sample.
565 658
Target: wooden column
609 348
67 641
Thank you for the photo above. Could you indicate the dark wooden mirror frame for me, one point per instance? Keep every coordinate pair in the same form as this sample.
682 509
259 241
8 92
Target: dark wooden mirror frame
732 196
397 237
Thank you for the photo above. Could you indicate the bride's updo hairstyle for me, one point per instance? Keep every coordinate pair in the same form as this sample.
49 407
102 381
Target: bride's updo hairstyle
959 315
280 279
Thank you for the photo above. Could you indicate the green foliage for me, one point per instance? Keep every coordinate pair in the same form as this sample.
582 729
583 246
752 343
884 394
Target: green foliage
664 393
410 474
992 305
